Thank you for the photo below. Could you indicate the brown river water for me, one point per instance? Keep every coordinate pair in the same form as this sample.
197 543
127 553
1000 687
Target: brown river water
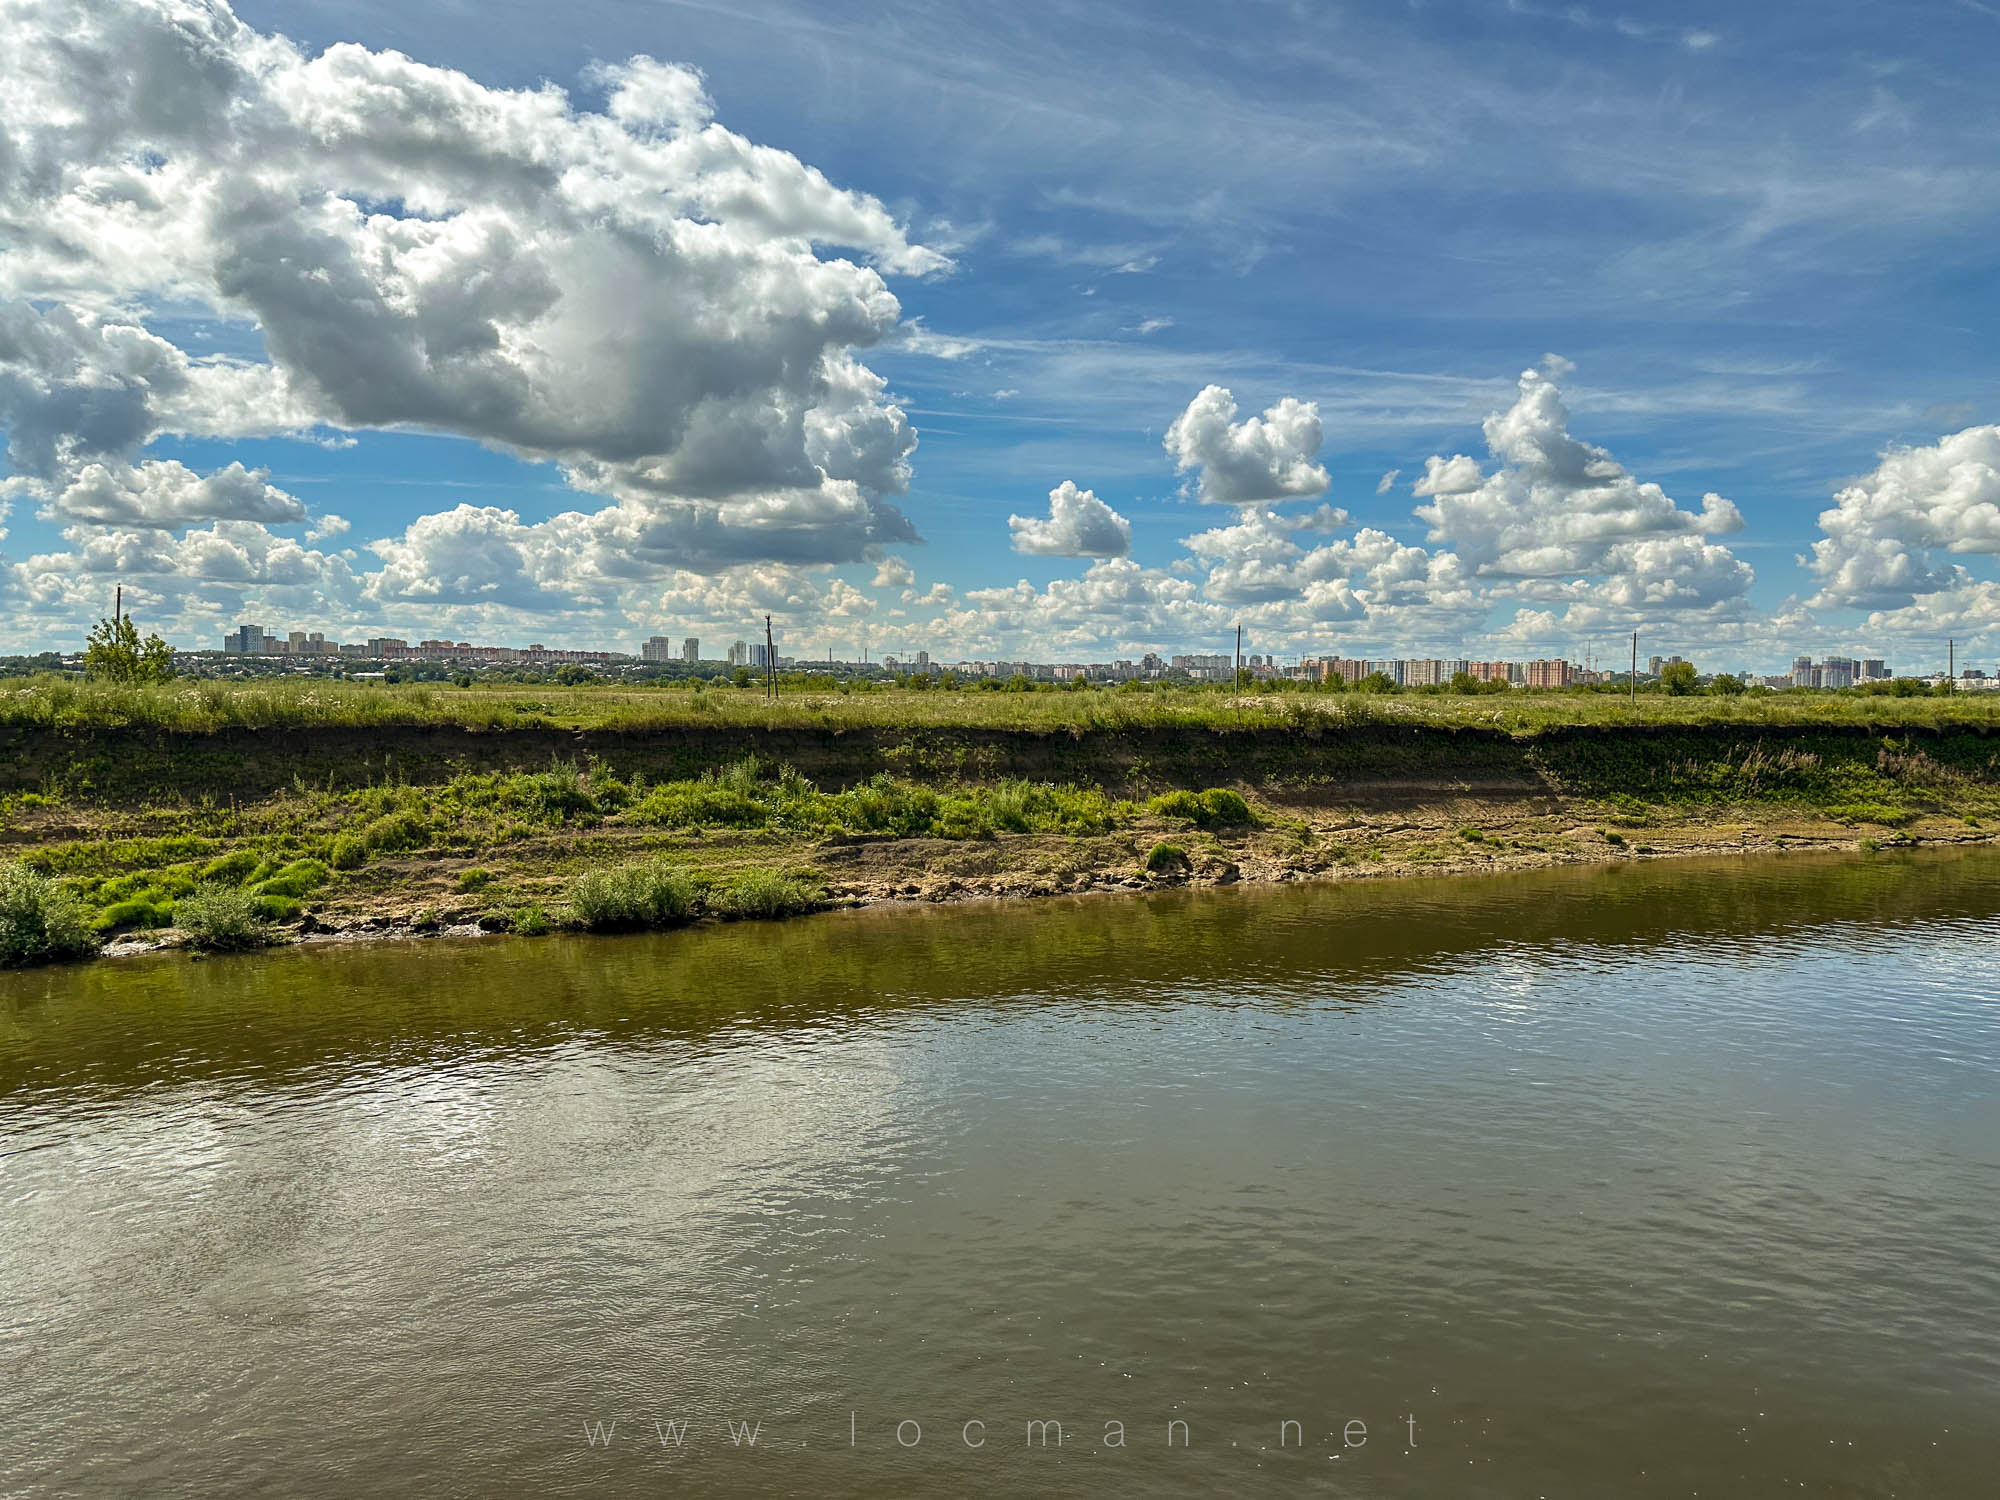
1660 1179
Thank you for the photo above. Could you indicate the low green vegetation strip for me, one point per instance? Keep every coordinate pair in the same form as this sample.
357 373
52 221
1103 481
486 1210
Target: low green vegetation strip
70 705
234 874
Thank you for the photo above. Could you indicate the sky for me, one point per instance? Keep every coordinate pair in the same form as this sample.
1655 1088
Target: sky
1040 331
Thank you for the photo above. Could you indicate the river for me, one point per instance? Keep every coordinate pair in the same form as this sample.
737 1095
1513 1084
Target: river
1657 1179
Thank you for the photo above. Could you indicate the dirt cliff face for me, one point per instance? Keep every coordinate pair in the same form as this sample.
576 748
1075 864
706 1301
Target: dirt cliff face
1376 764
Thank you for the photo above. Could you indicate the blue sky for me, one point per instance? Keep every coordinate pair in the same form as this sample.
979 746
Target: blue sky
1760 242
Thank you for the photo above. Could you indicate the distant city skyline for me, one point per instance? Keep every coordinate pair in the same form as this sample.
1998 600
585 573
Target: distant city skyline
1833 670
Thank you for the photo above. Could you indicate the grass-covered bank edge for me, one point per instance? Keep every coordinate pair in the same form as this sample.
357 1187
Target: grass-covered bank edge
580 840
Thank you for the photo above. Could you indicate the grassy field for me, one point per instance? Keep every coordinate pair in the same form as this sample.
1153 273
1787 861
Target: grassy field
71 705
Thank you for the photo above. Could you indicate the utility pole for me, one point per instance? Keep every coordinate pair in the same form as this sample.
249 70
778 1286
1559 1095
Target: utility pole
770 663
118 607
1236 678
1951 660
1635 671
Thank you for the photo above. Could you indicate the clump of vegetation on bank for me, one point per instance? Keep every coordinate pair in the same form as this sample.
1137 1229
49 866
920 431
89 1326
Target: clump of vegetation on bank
743 796
40 922
656 893
218 918
1218 807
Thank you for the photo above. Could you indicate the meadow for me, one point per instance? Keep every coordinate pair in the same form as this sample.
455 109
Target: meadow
202 707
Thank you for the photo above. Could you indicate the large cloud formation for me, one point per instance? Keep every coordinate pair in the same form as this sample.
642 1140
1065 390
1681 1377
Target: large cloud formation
1554 506
1079 525
1252 461
1884 530
636 293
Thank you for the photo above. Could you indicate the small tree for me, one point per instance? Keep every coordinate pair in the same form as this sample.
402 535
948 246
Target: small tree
1464 682
114 653
1728 685
1678 679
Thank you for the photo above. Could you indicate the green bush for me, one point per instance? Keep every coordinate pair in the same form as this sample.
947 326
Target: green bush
396 831
633 897
474 880
1164 856
347 852
1216 807
765 893
39 920
529 921
221 918
1226 807
561 794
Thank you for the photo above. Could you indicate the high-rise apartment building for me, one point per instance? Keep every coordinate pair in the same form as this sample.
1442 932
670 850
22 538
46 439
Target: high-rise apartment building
691 650
1550 674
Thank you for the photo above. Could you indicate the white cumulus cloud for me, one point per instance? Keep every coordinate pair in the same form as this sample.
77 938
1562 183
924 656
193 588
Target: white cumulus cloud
1554 506
1885 531
1248 462
1078 525
637 293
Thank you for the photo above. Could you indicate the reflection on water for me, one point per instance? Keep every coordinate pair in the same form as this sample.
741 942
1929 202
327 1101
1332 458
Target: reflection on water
1652 1179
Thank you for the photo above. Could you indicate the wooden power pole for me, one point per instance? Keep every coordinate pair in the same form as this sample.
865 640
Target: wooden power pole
770 663
1635 671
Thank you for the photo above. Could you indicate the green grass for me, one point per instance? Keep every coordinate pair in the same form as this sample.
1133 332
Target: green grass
743 796
72 705
1164 856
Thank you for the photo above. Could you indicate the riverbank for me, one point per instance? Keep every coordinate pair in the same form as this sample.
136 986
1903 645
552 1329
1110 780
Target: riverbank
1465 836
282 833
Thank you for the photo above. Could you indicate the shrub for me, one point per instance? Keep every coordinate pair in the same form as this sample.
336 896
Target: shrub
474 880
529 921
1163 857
765 893
396 831
557 795
221 918
40 921
1226 807
1216 807
347 852
633 897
